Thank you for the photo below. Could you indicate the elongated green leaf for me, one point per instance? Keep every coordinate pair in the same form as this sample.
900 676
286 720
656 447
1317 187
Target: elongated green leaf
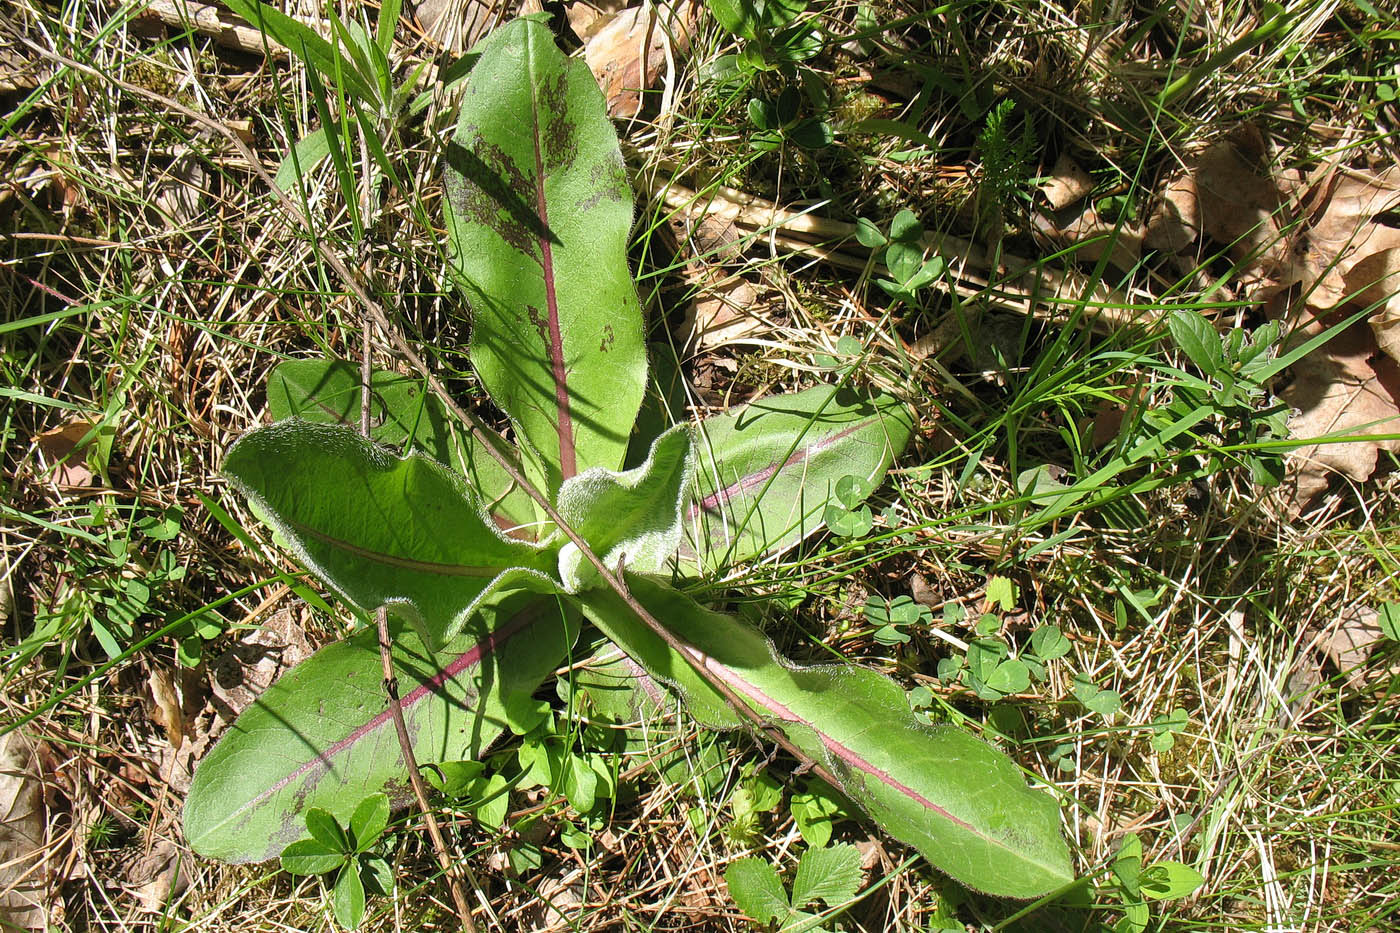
321 736
538 212
962 804
303 41
632 517
379 530
404 414
308 153
768 470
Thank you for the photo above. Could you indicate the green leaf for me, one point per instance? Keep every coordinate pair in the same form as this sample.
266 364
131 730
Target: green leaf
768 470
404 414
308 153
321 736
831 876
377 876
633 517
491 801
755 887
1166 881
1001 591
963 805
814 811
368 821
380 530
348 898
304 42
538 212
868 234
1049 643
1198 339
1010 677
310 857
811 133
1104 702
326 830
1389 618
740 17
905 228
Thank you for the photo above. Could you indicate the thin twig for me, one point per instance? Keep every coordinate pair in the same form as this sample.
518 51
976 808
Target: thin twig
391 692
478 427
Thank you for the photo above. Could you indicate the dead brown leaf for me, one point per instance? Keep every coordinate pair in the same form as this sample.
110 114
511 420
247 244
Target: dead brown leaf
1092 234
1344 233
241 674
22 849
723 309
61 450
1349 641
1067 183
168 711
1229 193
158 877
614 52
1347 387
1175 222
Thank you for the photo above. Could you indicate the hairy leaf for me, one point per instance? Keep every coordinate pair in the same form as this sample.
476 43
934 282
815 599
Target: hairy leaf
767 471
380 530
321 735
538 213
404 414
962 804
632 517
755 887
831 876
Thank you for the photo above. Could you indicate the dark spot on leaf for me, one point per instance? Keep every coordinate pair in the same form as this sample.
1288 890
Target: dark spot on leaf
486 186
541 325
557 137
609 338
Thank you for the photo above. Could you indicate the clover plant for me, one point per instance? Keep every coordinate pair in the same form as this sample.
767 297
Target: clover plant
487 597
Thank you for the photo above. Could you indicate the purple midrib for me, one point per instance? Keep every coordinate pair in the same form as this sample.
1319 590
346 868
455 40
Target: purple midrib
568 463
391 560
759 477
472 656
841 751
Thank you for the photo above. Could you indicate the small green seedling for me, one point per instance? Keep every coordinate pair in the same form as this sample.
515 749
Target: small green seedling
815 811
902 251
1235 370
777 34
486 795
350 852
1166 727
778 120
1134 885
830 875
1104 702
892 617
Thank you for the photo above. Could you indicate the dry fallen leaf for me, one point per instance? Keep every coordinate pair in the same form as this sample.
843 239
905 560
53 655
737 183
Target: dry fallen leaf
22 873
1067 183
1344 232
1347 387
158 877
614 52
1175 222
60 447
241 674
1092 233
1349 641
168 711
722 313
